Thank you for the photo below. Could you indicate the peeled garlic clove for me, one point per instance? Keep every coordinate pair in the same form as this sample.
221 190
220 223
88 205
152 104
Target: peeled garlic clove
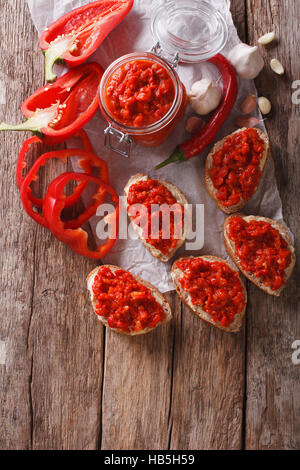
249 105
194 124
277 66
205 96
247 60
264 105
246 121
266 38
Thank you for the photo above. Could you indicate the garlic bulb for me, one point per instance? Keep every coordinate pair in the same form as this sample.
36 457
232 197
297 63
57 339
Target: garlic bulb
205 96
247 60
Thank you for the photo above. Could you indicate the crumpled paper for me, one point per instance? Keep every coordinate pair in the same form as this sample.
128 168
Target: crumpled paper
134 34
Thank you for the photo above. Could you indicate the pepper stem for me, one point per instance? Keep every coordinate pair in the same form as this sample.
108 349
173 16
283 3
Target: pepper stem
177 156
38 121
29 125
51 56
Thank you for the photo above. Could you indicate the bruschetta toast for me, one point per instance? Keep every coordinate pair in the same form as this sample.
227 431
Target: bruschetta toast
161 249
126 303
261 248
234 167
212 289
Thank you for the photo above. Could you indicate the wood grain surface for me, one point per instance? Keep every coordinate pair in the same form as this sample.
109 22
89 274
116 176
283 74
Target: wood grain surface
273 381
65 382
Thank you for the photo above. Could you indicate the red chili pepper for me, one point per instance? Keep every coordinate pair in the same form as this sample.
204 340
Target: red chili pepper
86 162
56 112
75 36
54 203
206 136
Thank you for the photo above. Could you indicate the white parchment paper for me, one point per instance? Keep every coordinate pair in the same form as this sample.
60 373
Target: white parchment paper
134 34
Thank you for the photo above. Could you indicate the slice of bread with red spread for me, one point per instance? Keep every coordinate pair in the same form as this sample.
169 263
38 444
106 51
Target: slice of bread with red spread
179 197
220 298
129 314
231 177
264 257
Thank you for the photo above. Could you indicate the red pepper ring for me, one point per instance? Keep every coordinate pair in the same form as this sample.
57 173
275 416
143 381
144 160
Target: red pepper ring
88 160
85 140
54 203
21 165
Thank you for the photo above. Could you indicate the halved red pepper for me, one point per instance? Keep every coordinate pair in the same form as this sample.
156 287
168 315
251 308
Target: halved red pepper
87 161
54 203
56 112
75 36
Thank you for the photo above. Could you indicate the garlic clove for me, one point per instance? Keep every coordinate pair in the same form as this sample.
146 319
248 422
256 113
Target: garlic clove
247 60
246 121
264 105
266 38
277 66
249 104
205 96
194 124
201 87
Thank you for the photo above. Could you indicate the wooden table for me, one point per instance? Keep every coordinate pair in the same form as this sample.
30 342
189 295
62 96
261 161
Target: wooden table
65 382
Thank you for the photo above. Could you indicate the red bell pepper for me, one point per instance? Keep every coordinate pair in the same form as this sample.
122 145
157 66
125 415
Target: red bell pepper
87 161
56 112
207 134
21 162
54 203
75 36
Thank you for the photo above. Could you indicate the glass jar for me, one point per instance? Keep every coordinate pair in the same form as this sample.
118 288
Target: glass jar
153 134
188 31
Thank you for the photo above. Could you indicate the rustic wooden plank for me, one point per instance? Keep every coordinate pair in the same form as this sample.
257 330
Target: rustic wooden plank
17 238
186 390
273 400
51 384
208 380
67 351
137 389
207 404
157 389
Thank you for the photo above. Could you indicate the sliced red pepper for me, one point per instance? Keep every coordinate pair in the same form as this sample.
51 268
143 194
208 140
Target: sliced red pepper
207 134
87 161
75 36
85 141
58 111
54 203
21 163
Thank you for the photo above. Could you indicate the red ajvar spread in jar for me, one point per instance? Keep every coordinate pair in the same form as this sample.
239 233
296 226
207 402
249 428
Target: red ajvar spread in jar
235 171
214 286
139 93
126 303
261 249
161 226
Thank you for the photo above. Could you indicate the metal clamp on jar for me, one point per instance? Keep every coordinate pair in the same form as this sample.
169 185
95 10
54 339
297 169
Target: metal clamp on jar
141 95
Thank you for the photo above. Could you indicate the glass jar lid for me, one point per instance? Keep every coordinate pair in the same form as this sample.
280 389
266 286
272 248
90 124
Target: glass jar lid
192 28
